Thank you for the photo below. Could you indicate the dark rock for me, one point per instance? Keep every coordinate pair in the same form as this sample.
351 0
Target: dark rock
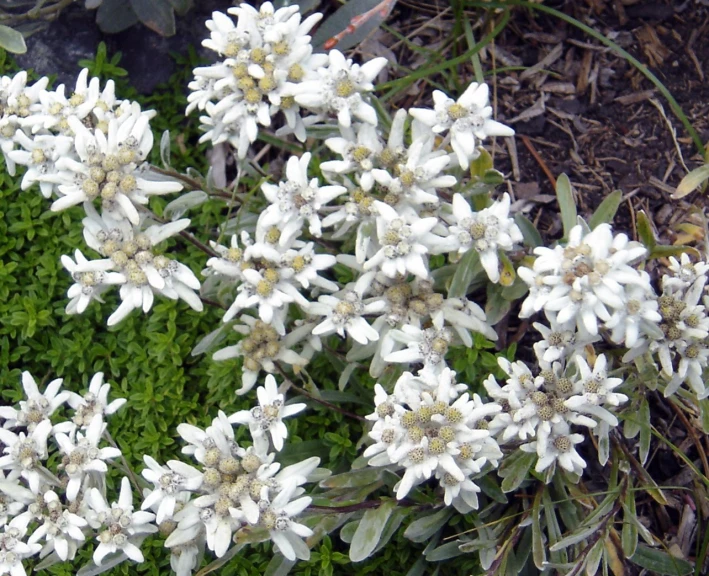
146 55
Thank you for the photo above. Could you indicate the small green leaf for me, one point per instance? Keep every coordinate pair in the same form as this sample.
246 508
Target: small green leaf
567 204
660 562
704 410
645 431
531 235
468 269
691 181
369 530
629 535
663 251
579 535
12 40
422 529
606 210
644 229
481 164
538 548
444 552
514 469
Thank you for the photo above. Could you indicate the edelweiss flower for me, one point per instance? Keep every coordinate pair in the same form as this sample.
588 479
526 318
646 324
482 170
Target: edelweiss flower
37 407
340 89
486 231
84 456
557 446
467 119
124 529
403 243
297 200
94 402
169 483
268 416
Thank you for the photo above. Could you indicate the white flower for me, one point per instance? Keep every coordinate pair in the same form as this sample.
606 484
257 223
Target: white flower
261 348
638 318
37 407
168 484
92 278
124 529
403 243
684 273
13 550
285 532
486 231
84 456
61 528
40 155
467 119
108 168
557 446
344 314
424 345
588 277
297 200
340 89
595 388
25 453
94 402
358 146
268 416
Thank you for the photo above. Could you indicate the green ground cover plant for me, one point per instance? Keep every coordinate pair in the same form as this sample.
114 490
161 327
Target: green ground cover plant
345 268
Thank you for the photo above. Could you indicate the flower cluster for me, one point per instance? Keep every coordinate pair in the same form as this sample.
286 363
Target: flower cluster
52 513
233 487
541 409
91 148
269 67
431 427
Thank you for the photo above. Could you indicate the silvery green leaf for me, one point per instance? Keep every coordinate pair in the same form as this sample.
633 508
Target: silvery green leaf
422 529
567 204
594 558
352 479
339 23
165 148
279 566
345 376
418 569
348 531
578 536
369 531
177 207
444 552
12 40
392 525
645 431
109 562
704 410
181 6
531 235
514 469
213 338
629 534
660 562
607 209
538 544
691 181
